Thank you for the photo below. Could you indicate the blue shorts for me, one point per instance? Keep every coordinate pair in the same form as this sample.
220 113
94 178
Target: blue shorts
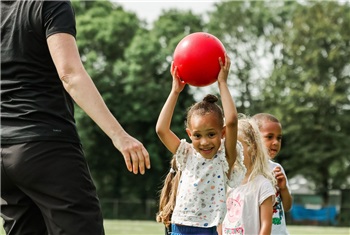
190 230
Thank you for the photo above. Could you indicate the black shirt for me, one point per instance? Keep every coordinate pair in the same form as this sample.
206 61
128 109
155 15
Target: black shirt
34 103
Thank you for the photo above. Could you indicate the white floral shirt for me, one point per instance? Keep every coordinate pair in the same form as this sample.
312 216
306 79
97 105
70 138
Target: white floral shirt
201 196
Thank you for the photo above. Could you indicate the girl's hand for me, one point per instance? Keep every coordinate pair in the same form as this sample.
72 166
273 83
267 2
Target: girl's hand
178 84
225 68
280 177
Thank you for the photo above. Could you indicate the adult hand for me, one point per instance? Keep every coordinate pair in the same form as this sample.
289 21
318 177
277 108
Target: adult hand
135 154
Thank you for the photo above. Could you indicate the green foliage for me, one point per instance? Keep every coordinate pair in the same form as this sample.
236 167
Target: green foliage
146 83
241 26
98 25
130 66
288 58
313 80
291 59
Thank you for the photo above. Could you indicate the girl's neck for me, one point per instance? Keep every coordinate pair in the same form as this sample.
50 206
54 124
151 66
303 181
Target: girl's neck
247 176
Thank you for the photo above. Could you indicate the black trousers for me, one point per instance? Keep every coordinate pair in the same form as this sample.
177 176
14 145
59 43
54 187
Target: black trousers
46 188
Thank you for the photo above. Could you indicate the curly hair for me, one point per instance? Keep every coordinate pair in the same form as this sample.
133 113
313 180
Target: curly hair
207 105
167 199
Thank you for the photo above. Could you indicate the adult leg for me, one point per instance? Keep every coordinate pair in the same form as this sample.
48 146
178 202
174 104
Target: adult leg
20 214
56 177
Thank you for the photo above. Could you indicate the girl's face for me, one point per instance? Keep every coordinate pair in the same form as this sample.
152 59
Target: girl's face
206 134
272 137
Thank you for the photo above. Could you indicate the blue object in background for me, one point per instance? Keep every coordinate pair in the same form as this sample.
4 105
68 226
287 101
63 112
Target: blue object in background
325 214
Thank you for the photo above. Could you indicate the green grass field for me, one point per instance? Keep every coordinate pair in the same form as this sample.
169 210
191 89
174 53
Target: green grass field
136 227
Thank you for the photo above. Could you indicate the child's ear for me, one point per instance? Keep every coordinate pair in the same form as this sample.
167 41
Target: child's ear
223 132
189 133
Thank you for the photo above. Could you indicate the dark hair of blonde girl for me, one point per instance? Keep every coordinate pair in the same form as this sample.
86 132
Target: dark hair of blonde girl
168 195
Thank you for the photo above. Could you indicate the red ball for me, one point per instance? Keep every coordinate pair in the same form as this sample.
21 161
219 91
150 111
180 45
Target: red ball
197 58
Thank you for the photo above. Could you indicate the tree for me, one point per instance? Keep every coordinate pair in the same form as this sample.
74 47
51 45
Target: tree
305 48
146 83
102 42
288 58
130 65
312 80
241 26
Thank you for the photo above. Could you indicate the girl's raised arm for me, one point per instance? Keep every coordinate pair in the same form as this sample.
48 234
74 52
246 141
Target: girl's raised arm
169 139
230 113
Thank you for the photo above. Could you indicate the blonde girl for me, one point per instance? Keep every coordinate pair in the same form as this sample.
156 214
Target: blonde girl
249 206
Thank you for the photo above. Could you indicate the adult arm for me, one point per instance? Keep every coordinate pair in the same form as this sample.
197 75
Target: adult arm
81 88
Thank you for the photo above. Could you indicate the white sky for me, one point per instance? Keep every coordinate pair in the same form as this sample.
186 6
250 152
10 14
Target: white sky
149 10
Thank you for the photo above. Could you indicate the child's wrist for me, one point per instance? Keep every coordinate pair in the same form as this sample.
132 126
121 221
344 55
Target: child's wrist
222 83
283 188
175 92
